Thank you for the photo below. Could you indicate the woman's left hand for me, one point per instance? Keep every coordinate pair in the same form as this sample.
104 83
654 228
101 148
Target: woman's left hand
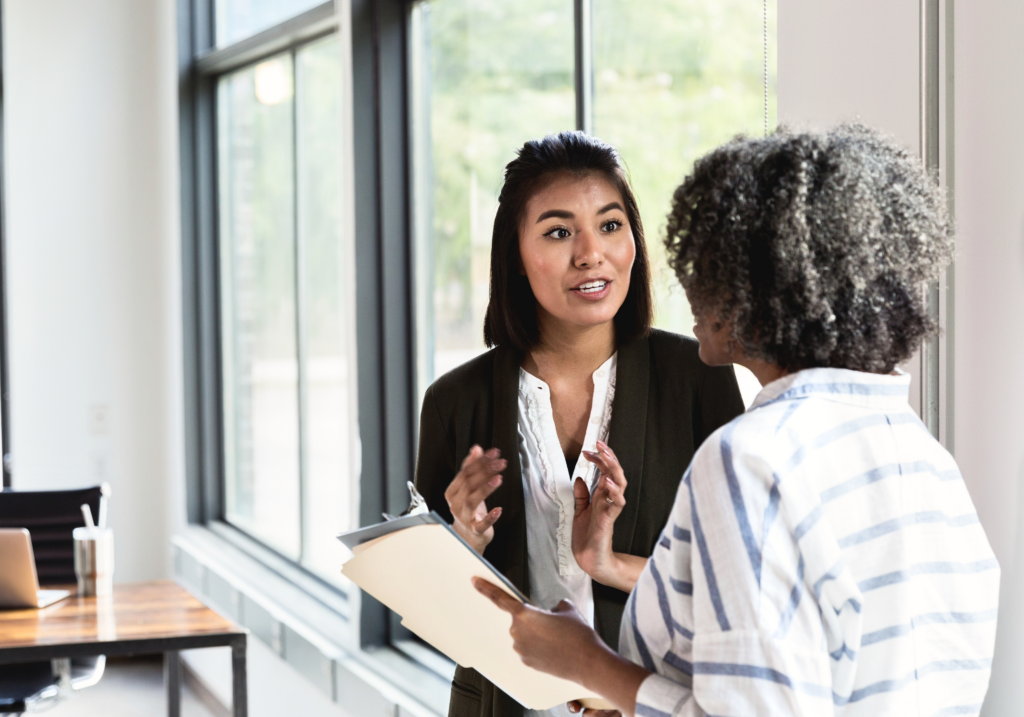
555 642
593 524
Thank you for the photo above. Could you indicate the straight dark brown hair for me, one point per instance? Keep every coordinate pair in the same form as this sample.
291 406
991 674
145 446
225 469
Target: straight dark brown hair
511 318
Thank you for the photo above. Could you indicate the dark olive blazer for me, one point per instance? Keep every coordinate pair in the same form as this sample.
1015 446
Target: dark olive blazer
667 401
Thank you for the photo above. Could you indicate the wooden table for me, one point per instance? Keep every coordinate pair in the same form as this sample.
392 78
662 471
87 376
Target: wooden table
139 618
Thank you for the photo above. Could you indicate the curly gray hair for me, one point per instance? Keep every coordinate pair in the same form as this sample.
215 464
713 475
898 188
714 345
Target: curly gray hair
816 245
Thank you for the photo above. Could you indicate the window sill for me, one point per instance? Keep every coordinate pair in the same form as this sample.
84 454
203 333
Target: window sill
304 622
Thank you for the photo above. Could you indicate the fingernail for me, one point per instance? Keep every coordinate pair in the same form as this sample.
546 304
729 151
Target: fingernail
494 482
496 512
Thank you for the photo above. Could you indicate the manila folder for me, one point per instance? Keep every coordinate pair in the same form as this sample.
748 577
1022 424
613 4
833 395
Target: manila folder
423 574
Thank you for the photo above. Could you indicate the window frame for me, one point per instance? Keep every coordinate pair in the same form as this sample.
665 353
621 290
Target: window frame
383 327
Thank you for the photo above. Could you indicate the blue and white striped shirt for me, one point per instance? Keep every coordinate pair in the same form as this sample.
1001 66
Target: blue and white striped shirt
823 558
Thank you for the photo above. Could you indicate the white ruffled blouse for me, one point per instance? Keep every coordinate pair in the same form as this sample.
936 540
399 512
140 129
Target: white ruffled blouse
547 486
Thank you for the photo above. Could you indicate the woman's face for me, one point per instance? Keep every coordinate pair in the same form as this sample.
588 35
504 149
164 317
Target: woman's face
577 250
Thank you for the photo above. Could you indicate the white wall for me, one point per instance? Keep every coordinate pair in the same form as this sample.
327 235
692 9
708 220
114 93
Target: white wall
989 307
850 61
860 60
93 234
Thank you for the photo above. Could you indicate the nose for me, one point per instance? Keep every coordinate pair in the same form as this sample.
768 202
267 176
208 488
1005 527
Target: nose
589 250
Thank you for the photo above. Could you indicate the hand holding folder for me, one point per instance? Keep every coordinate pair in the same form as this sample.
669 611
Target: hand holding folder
421 569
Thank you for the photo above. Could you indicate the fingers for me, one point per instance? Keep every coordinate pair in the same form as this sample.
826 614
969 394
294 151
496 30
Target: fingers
612 475
581 494
474 453
483 480
478 464
498 596
485 523
608 464
564 606
574 706
478 478
612 461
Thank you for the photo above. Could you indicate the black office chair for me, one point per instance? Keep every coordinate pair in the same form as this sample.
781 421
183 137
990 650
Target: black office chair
50 517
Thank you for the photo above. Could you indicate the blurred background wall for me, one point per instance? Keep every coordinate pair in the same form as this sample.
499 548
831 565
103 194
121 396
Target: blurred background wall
90 98
989 307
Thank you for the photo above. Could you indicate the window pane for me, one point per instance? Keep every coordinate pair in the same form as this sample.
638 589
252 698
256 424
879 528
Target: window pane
238 19
259 337
328 424
487 77
672 80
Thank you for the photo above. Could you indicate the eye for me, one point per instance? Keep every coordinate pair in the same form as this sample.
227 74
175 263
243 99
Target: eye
558 233
612 225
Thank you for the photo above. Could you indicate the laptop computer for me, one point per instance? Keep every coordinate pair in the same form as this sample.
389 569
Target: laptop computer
19 584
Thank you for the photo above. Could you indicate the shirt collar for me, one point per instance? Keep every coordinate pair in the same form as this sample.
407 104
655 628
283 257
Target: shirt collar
839 384
603 376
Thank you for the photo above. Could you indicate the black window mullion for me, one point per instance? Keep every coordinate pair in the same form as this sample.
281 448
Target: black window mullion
396 240
197 125
384 299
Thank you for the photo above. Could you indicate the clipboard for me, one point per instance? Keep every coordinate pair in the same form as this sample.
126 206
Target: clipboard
420 568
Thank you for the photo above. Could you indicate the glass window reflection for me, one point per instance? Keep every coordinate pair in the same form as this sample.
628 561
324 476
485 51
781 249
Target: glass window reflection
487 76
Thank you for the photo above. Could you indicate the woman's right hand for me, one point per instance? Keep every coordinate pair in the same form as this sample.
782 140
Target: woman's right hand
467 496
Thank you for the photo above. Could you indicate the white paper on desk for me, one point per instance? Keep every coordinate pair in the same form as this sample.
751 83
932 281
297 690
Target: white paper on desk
423 573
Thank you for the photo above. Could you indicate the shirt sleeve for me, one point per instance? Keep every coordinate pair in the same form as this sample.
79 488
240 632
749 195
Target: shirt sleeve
716 635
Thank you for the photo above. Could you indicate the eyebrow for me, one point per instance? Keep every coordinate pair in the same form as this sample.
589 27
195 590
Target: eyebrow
565 214
609 207
555 213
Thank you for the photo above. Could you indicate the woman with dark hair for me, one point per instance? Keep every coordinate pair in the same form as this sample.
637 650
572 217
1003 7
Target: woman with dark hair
556 453
823 556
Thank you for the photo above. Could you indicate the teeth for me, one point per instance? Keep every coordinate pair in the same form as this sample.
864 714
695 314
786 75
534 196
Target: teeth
591 286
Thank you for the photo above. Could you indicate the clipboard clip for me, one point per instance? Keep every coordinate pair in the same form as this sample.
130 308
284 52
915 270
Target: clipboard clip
417 504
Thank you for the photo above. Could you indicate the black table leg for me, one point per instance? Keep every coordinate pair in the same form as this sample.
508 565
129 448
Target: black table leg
239 692
172 681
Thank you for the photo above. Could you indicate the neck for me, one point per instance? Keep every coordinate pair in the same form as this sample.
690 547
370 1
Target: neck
570 348
764 372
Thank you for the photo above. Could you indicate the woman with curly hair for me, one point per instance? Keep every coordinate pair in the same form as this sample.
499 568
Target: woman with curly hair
823 556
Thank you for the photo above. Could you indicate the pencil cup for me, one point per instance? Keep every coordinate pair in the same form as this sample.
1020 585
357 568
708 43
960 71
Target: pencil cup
94 561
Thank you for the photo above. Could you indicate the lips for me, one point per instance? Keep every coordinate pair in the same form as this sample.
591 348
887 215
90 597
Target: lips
592 289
